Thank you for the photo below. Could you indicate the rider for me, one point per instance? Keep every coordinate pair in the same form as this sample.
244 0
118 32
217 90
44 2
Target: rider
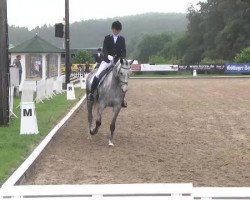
98 57
114 47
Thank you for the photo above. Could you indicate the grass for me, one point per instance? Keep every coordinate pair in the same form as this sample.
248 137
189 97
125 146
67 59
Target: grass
14 148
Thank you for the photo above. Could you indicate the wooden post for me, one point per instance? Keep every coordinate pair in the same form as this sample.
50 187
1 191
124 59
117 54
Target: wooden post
67 43
4 65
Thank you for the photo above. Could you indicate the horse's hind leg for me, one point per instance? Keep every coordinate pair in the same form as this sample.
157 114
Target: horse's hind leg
116 111
99 118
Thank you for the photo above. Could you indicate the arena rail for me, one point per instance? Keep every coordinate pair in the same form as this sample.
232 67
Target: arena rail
123 192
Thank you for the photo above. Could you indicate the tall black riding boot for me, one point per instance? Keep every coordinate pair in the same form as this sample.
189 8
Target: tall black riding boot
93 87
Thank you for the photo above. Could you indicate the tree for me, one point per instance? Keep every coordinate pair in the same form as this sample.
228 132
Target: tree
82 57
156 59
243 57
194 36
218 29
176 48
151 45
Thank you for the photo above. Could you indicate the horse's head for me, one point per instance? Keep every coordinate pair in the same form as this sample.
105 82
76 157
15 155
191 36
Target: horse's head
122 72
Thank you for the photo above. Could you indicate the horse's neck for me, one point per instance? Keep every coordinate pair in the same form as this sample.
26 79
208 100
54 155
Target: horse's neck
114 80
111 81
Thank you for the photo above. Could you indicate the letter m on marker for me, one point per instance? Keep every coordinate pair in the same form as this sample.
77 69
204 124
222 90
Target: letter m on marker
70 88
27 112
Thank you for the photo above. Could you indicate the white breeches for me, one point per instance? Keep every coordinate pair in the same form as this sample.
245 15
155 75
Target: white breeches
103 66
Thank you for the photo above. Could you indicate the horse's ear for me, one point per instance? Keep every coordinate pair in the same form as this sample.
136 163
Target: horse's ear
121 61
131 62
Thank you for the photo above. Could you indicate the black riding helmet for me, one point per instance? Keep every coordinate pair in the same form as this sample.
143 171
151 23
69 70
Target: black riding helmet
117 25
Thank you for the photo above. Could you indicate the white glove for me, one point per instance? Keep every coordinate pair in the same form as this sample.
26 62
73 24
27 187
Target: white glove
110 57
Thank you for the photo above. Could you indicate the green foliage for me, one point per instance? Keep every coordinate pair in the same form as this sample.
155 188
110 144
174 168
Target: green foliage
208 61
14 148
216 32
218 29
151 45
175 49
156 59
82 57
243 57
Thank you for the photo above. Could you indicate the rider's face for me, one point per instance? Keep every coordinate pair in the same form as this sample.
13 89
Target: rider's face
115 32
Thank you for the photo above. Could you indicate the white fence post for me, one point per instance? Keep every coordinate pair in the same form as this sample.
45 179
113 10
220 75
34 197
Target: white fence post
49 88
58 85
28 85
11 101
41 91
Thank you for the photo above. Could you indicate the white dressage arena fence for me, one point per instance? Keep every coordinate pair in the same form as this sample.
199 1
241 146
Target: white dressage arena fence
46 89
106 192
49 88
28 85
11 101
78 74
41 91
14 76
27 96
123 192
58 85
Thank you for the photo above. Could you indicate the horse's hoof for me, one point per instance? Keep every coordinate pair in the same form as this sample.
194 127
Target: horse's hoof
92 132
111 144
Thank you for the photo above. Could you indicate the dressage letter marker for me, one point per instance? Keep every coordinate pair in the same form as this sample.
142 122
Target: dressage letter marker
194 72
70 92
28 118
82 82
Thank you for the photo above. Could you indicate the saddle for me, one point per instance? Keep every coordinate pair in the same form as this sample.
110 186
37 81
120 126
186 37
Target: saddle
104 74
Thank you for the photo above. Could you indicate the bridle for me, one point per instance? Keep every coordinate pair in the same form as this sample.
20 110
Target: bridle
123 82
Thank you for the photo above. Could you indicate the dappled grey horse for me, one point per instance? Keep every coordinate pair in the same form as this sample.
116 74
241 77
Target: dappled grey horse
109 94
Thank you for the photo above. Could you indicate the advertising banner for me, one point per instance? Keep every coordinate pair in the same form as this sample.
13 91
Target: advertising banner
202 68
161 68
237 68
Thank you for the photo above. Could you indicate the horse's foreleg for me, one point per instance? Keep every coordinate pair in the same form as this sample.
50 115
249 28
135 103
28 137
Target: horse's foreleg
116 111
99 118
90 114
